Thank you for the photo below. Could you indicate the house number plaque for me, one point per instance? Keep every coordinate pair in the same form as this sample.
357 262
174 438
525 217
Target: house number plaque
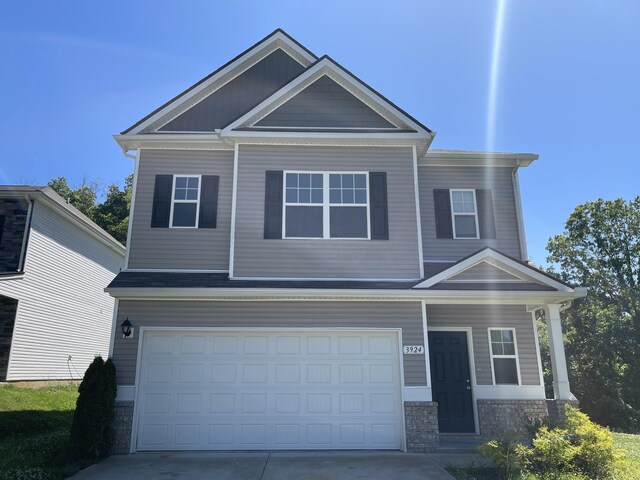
413 349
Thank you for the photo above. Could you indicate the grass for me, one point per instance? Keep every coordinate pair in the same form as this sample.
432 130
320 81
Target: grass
627 468
34 433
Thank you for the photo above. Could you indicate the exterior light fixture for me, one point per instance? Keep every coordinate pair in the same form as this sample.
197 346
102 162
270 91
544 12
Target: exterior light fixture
127 328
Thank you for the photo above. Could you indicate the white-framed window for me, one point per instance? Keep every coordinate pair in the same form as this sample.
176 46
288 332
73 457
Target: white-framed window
185 201
464 213
326 205
505 368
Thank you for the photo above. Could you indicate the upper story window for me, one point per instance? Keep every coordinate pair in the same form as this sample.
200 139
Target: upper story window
186 201
465 214
504 356
326 205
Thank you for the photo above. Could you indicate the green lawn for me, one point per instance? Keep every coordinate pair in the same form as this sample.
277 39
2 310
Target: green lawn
628 467
34 432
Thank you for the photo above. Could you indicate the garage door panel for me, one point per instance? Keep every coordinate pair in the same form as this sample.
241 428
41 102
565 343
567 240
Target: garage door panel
277 390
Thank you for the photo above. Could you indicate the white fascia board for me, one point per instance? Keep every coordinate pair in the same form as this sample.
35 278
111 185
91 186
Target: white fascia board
200 141
467 297
500 261
326 67
476 158
275 41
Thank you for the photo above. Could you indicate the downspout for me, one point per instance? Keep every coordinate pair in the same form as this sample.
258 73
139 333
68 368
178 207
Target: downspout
519 215
126 153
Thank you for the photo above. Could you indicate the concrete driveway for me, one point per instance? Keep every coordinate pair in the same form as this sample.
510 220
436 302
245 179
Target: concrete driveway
268 466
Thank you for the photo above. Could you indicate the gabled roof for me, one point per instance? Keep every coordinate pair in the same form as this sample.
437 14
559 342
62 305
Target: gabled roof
277 39
475 272
59 204
326 66
397 124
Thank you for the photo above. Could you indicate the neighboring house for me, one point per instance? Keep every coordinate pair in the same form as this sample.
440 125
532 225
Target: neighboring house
303 272
54 264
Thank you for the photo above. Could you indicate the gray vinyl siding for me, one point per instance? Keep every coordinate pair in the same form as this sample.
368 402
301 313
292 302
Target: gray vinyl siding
288 315
396 258
326 104
484 271
238 96
498 180
181 248
480 318
64 316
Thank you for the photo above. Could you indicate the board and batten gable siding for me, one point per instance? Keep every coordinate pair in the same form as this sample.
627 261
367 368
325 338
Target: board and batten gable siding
325 104
286 315
480 318
240 95
498 180
64 316
396 258
181 248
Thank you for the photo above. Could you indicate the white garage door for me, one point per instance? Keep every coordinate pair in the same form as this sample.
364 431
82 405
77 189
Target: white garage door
269 390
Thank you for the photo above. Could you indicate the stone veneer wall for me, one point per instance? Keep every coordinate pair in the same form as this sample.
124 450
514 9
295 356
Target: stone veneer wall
13 219
122 422
556 409
8 307
421 424
497 417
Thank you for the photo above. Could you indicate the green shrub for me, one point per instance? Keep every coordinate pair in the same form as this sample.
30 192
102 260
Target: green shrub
506 454
92 419
581 450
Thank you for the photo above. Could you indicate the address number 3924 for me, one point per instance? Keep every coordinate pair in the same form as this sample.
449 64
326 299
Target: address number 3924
413 349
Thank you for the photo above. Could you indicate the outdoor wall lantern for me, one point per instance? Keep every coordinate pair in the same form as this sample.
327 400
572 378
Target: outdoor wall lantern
127 329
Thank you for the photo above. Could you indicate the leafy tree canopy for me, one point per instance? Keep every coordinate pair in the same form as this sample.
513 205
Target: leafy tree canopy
600 249
112 214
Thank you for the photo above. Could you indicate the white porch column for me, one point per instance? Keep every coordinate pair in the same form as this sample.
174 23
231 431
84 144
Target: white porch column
561 389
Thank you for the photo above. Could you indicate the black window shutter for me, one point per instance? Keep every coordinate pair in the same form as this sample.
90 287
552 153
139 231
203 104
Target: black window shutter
161 201
442 205
273 204
2 218
378 209
208 201
486 219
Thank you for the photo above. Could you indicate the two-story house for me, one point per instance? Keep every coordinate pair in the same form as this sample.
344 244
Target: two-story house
304 272
55 316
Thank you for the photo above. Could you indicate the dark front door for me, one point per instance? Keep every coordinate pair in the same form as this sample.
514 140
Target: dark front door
451 381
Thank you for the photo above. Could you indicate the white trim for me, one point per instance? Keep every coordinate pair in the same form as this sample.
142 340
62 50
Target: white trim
325 205
515 355
425 339
496 258
510 392
134 187
126 393
234 201
327 67
519 215
174 270
323 279
537 343
464 214
25 236
114 326
337 330
233 70
417 394
472 368
186 201
435 297
471 158
416 189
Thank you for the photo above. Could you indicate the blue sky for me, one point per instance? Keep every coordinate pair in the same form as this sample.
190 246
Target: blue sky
568 81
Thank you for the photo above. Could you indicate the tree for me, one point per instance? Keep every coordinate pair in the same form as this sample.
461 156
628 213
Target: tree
112 215
600 249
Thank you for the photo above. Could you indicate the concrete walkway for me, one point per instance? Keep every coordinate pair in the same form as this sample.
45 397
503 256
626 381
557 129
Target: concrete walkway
268 466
